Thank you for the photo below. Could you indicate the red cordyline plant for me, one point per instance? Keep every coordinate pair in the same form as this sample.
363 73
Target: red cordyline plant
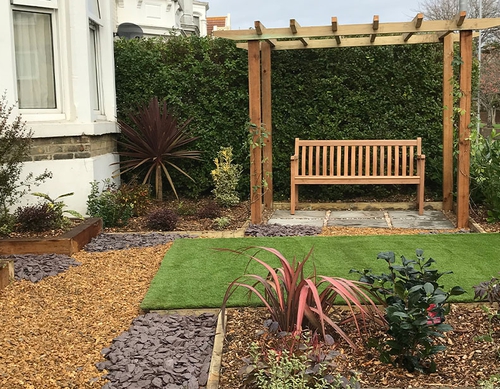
295 301
155 142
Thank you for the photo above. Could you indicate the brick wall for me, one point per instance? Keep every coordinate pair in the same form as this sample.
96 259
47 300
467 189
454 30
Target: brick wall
72 147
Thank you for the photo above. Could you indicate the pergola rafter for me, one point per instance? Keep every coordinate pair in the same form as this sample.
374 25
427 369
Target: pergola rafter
260 41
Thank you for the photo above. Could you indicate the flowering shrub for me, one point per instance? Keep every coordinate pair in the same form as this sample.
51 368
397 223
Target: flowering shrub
226 176
415 310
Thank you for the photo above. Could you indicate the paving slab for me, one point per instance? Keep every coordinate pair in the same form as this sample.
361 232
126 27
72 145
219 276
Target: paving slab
428 215
423 224
365 223
356 215
431 219
314 222
285 214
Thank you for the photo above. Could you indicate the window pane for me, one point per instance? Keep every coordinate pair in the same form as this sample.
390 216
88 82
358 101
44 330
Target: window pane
94 67
34 60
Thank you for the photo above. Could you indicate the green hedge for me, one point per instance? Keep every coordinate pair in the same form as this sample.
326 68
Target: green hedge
392 92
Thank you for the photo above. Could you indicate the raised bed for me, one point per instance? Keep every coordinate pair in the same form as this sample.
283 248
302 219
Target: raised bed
68 243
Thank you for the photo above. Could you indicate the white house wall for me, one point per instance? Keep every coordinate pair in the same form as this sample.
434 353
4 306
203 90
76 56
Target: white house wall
79 174
73 141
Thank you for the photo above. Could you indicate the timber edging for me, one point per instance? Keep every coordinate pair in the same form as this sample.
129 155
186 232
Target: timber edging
67 244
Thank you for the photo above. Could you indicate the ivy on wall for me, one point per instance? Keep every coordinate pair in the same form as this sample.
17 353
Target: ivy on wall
390 92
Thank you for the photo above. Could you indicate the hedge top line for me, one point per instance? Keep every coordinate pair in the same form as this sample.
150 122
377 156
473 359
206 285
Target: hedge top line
416 31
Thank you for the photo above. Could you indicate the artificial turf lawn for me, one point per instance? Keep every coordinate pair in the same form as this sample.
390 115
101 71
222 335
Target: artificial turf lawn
194 275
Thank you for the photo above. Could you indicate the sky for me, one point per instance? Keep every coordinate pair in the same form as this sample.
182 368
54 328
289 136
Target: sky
277 13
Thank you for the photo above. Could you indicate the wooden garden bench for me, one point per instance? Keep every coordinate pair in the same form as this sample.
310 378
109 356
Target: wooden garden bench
343 162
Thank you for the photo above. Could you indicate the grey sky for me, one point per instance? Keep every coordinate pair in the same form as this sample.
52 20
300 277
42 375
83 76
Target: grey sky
277 13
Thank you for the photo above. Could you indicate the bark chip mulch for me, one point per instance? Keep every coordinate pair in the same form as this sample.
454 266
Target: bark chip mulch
52 332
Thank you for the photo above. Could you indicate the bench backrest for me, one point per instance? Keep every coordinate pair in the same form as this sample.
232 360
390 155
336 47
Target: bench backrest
349 158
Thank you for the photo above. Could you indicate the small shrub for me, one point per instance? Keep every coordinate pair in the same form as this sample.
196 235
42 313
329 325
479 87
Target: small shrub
222 222
488 290
162 219
292 360
294 300
61 221
36 218
210 210
415 310
108 205
137 195
7 224
226 176
492 383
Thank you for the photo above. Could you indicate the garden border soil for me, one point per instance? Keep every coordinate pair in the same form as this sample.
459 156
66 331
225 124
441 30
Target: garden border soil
68 243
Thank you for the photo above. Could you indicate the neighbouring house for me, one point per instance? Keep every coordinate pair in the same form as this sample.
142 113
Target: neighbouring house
57 65
161 17
215 23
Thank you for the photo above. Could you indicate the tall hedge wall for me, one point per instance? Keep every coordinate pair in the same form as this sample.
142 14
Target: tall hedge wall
392 92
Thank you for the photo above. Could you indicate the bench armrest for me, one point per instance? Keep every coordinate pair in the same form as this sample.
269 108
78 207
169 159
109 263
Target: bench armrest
294 157
421 156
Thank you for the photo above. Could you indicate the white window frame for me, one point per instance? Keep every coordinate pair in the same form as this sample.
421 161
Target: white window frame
97 113
50 8
36 3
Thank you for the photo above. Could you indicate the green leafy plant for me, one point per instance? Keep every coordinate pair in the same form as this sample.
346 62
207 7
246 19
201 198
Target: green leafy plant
155 143
485 172
162 219
491 383
293 361
59 208
415 310
108 204
295 301
226 176
222 222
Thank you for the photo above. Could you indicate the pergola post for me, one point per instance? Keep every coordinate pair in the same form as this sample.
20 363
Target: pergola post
463 174
268 125
254 93
448 123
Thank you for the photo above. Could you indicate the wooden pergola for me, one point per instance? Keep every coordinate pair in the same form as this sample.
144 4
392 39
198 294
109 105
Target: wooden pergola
260 41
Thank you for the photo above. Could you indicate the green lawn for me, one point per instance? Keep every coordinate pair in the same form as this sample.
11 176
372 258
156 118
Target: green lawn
194 275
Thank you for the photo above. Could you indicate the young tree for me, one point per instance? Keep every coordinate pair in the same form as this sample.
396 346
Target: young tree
15 143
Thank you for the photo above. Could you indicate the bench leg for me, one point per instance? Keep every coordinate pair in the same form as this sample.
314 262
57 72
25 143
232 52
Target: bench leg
420 199
294 198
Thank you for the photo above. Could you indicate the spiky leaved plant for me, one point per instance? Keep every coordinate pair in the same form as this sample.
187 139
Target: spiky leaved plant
155 142
296 302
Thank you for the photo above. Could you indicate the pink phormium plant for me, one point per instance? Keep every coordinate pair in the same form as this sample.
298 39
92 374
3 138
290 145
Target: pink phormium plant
296 302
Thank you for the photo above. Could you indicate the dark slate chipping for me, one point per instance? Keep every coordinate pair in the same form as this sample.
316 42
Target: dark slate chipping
34 267
279 230
107 242
161 351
